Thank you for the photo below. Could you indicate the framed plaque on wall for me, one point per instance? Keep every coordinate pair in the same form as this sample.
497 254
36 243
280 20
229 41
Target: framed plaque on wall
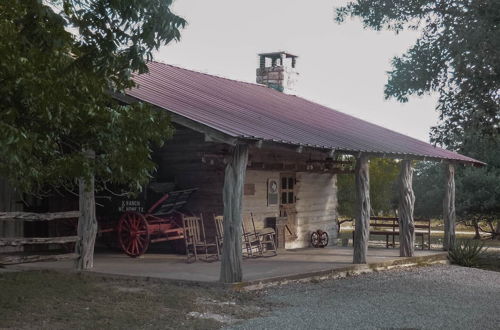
272 192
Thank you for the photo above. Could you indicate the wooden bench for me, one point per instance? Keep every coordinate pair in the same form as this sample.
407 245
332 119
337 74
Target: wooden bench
389 226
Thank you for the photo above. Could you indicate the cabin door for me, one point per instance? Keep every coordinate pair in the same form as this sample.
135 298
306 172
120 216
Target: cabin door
287 202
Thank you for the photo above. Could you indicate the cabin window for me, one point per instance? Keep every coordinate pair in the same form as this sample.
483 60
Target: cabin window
287 189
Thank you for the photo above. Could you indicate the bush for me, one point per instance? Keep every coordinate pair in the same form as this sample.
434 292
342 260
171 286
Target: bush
467 253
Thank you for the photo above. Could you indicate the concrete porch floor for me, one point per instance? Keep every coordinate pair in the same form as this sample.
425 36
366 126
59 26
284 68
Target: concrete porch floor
287 264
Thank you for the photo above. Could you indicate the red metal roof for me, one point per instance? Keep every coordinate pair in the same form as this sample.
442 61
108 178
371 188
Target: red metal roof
253 111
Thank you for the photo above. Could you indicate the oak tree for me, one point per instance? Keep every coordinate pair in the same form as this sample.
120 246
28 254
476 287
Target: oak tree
61 62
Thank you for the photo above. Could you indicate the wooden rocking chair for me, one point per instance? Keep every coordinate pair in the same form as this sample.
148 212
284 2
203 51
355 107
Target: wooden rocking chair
219 230
196 240
249 240
267 237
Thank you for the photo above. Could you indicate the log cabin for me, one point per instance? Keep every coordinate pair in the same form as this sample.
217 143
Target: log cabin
256 150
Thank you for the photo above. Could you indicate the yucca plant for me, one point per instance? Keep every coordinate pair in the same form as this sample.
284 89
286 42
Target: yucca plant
467 253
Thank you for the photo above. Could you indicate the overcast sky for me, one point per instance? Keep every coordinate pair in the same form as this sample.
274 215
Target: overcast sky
341 66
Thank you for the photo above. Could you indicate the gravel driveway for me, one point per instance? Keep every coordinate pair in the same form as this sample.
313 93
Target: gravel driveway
438 297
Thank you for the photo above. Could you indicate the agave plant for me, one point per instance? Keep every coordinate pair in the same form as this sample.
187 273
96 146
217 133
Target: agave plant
467 253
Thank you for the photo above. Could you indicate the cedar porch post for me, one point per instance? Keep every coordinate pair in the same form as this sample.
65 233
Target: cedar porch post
449 207
361 232
87 223
405 210
234 178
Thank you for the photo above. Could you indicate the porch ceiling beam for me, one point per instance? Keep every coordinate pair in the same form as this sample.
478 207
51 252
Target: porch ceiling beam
303 167
328 152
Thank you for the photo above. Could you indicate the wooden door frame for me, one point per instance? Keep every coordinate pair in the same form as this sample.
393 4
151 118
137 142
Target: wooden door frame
288 209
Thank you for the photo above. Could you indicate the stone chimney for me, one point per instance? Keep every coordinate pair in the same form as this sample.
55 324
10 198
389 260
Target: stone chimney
277 70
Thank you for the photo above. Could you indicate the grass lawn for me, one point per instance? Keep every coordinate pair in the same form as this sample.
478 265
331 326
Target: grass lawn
53 300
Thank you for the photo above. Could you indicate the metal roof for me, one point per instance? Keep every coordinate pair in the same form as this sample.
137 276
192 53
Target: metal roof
251 111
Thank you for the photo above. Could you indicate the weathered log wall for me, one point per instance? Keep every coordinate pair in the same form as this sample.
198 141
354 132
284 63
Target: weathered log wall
190 161
256 203
182 161
316 204
316 207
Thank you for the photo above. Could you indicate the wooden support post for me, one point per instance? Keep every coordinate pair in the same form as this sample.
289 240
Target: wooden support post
234 179
87 223
362 210
449 207
406 206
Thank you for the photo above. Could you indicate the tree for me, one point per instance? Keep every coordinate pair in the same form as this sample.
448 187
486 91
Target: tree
456 55
58 121
429 190
383 188
384 182
478 193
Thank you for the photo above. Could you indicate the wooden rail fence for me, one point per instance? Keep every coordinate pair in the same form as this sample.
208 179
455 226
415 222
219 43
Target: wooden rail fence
6 259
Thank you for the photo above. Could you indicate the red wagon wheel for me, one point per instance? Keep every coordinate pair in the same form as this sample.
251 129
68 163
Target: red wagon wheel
133 234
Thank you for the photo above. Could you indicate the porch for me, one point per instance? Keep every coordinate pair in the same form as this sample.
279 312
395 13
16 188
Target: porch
294 264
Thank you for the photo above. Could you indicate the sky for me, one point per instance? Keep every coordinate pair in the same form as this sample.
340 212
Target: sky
342 66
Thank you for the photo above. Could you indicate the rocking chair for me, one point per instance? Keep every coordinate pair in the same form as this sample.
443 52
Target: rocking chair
196 240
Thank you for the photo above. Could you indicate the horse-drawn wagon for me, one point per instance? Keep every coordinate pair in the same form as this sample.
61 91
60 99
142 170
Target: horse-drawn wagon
154 216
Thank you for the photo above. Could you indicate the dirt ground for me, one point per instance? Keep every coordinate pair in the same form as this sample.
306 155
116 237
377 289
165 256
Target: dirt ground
53 300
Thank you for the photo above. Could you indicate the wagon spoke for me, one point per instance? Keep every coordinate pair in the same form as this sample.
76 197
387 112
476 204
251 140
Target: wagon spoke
134 247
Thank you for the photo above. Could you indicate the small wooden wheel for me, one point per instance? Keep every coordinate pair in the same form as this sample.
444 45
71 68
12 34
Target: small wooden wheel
315 239
319 239
133 234
323 239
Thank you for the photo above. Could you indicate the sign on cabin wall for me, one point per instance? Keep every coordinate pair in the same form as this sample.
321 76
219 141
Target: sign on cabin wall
131 205
272 192
249 189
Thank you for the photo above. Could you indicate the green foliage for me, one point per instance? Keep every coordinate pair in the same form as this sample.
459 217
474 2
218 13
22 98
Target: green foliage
477 188
383 185
383 192
428 186
456 55
55 90
467 253
346 194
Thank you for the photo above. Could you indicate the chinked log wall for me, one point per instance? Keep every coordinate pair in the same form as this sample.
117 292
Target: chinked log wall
190 161
316 206
181 161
